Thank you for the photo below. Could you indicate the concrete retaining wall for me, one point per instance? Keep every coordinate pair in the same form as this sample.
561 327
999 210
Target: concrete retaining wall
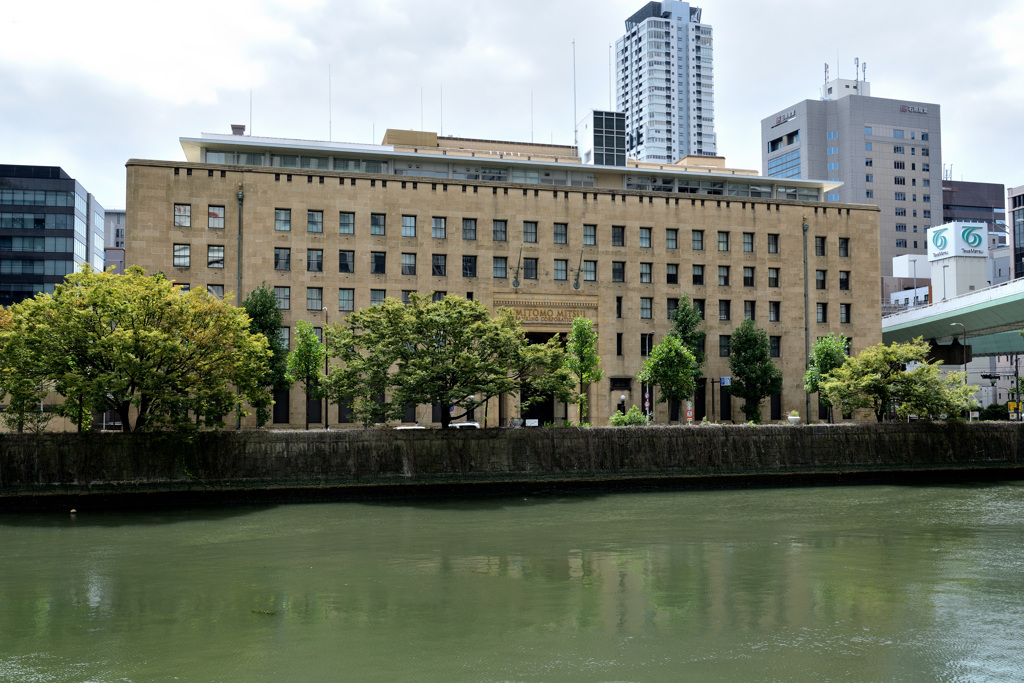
65 465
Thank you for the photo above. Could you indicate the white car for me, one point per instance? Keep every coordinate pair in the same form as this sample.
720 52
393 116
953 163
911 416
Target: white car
465 425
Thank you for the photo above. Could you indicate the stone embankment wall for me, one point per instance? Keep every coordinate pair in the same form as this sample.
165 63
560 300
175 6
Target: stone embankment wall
269 465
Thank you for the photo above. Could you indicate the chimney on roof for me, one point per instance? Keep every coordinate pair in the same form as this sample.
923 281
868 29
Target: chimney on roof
238 129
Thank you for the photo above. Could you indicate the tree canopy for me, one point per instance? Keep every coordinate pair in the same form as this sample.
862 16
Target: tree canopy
306 361
877 378
160 357
686 322
450 353
827 354
754 375
265 318
581 359
672 366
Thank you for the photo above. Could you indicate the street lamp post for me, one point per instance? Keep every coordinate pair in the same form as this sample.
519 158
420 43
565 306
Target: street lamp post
327 358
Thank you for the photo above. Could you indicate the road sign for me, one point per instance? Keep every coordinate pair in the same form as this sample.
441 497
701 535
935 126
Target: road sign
689 414
647 394
727 381
647 405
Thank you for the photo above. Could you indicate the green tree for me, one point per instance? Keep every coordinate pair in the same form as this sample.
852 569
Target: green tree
877 378
368 344
305 362
633 417
21 384
687 322
672 366
754 376
133 343
539 371
827 354
582 361
456 355
265 318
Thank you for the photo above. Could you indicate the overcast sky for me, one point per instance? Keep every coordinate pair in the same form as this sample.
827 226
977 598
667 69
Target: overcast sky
87 86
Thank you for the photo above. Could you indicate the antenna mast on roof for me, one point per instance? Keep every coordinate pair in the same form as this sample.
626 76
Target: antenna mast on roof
575 141
330 107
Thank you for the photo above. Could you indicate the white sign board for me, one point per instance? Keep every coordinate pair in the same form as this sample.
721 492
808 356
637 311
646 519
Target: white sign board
958 239
532 423
727 381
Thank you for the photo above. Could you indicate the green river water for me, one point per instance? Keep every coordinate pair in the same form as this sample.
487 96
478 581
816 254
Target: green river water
818 584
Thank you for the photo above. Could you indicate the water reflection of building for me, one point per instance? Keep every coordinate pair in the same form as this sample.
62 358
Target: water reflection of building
528 226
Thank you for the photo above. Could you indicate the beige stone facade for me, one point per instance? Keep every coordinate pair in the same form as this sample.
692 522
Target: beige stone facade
750 249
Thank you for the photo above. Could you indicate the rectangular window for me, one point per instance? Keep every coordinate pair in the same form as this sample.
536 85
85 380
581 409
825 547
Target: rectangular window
346 223
283 297
773 277
439 227
618 271
590 271
561 269
897 134
529 269
672 274
819 246
844 313
723 276
500 266
215 217
438 296
869 194
346 299
618 307
314 298
867 146
618 235
529 231
646 344
899 165
698 240
844 247
282 220
645 237
899 180
672 304
773 244
723 346
724 309
590 235
775 346
646 308
901 196
821 279
377 296
408 264
377 223
774 311
561 233
183 215
748 276
618 343
901 212
469 228
750 310
408 226
645 272
869 162
469 266
869 178
214 256
723 241
844 279
500 231
439 265
671 238
346 262
897 149
867 130
216 290
378 262
407 296
698 274
182 255
748 242
822 313
901 244
315 260
698 305
314 221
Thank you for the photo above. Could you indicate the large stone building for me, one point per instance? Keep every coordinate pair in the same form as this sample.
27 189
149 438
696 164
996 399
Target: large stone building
885 152
665 83
48 224
335 227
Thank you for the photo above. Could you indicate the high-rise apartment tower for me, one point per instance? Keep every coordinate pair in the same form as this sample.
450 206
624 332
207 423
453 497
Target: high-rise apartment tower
666 84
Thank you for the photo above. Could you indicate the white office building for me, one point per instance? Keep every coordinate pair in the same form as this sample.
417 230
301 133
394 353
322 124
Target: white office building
665 83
